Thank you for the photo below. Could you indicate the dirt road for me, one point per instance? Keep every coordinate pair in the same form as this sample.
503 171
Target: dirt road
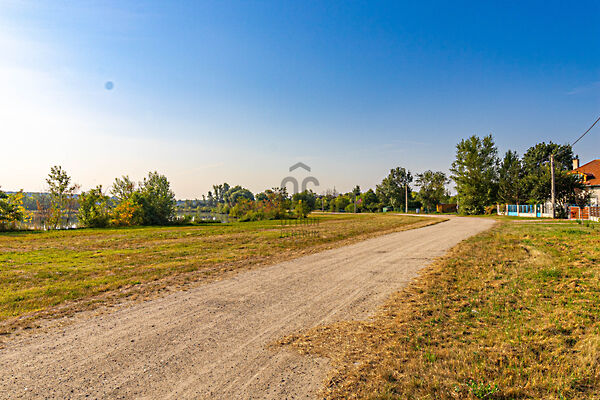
211 341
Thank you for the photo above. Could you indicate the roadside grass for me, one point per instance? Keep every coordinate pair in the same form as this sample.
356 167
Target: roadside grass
512 313
48 274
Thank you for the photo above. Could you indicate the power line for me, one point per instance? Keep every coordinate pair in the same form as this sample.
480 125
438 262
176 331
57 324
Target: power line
578 139
584 133
552 166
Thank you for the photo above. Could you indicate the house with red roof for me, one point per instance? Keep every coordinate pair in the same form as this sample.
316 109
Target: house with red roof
590 174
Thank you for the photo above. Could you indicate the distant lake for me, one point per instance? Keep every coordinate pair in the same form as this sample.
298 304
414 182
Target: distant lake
205 216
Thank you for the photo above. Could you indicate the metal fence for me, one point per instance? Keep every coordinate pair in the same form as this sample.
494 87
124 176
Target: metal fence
589 212
525 210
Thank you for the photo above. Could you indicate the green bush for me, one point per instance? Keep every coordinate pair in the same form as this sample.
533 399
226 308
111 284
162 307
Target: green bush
93 209
252 216
157 200
12 210
302 209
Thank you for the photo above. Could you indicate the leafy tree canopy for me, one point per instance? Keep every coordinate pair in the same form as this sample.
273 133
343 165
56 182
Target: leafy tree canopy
123 188
12 210
62 196
308 199
93 208
432 188
234 194
475 173
391 190
511 188
156 199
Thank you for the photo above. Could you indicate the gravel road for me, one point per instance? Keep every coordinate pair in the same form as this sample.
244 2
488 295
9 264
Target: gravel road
212 341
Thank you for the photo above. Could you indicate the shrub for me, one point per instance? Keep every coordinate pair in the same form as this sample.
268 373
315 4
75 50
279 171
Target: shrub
341 202
242 207
93 208
127 213
307 198
157 200
12 210
302 209
252 216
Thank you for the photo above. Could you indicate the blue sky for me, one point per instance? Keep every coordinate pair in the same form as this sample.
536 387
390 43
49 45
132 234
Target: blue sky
207 92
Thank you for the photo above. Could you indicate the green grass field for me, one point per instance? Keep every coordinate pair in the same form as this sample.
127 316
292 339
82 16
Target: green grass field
512 313
40 271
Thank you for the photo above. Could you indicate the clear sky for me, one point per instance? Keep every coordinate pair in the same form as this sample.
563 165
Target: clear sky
213 91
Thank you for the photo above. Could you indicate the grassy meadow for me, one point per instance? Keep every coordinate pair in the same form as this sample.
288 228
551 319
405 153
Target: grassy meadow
512 313
50 273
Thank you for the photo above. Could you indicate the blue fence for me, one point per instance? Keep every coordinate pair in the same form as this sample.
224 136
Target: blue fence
518 209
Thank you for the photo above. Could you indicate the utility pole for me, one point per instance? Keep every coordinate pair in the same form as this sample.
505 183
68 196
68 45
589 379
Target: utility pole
406 197
552 190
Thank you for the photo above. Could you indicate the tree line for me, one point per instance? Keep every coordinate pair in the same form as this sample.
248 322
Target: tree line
392 193
152 202
483 179
149 202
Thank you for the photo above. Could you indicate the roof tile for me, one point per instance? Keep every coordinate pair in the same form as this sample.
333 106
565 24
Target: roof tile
592 172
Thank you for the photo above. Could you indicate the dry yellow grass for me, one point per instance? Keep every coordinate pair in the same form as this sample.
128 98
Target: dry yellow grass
513 313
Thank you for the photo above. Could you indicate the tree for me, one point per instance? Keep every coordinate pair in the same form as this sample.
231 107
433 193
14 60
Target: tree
511 179
93 208
123 188
62 196
244 209
538 177
210 199
12 210
308 199
475 173
432 188
369 201
340 203
156 199
302 208
538 157
219 192
394 187
355 200
127 213
234 194
262 196
273 203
